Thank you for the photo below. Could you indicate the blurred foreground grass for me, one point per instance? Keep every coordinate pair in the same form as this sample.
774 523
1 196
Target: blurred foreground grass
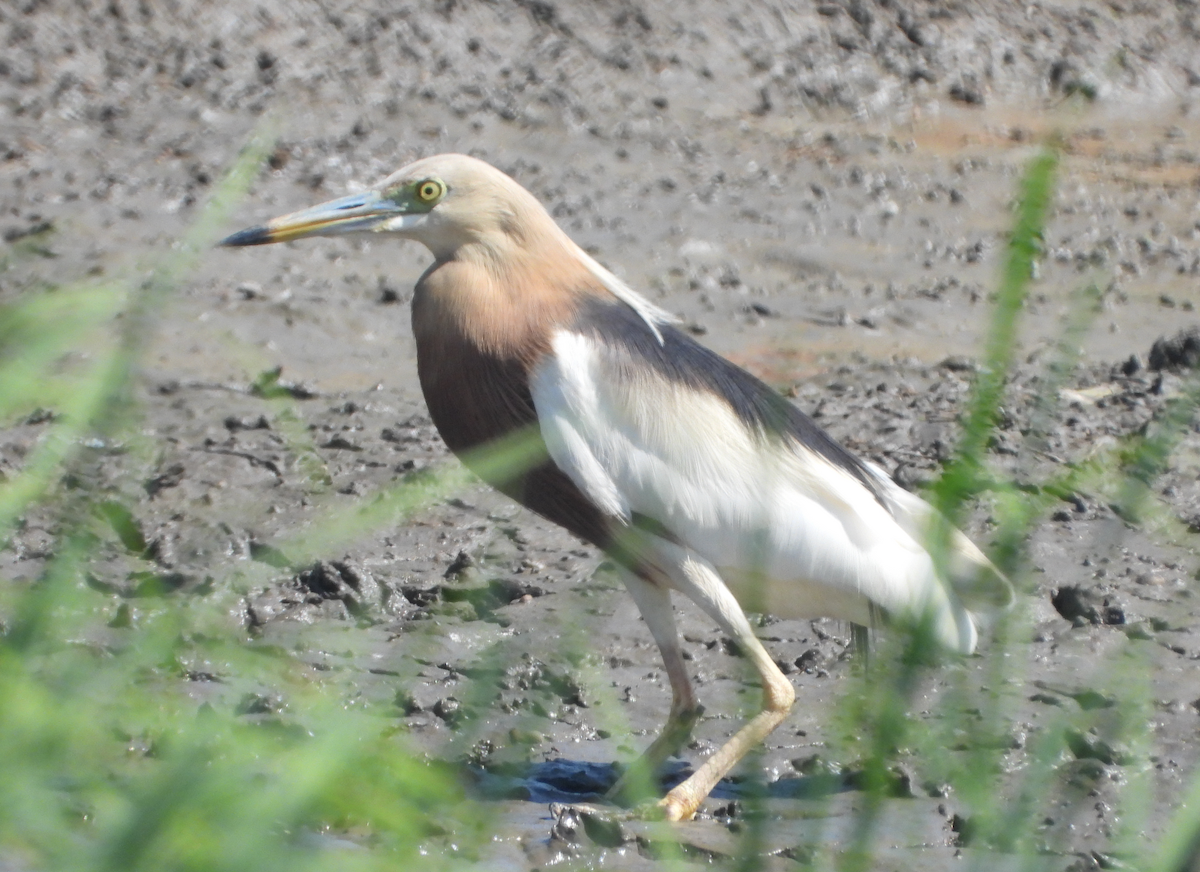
108 765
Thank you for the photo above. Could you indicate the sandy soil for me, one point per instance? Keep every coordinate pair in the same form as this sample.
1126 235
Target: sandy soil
820 191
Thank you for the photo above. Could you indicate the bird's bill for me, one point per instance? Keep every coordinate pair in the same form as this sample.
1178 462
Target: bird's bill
356 213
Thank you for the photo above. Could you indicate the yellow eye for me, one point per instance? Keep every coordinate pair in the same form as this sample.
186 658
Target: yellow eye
430 190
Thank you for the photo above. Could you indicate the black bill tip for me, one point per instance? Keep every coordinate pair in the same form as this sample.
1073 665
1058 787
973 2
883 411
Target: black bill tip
260 235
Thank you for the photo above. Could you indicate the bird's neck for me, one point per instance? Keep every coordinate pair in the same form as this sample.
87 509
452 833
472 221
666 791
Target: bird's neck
481 325
503 299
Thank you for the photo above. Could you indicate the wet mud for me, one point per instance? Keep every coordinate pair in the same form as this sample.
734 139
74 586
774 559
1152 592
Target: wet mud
821 192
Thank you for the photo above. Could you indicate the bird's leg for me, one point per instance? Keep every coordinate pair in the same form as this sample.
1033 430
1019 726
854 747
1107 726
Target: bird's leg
698 580
654 602
860 639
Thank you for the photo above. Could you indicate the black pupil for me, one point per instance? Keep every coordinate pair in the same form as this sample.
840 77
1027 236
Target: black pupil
428 190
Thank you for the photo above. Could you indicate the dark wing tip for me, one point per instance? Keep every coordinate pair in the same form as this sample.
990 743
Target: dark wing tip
260 235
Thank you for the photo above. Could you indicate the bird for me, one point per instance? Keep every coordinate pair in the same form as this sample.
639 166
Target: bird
691 474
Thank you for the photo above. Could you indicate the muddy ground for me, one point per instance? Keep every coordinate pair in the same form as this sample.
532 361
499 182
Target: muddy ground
820 191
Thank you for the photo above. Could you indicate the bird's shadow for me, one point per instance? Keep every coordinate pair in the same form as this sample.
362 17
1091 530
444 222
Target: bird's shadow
577 781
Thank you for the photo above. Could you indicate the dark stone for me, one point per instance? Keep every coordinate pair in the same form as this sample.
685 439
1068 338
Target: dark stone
1181 351
1072 603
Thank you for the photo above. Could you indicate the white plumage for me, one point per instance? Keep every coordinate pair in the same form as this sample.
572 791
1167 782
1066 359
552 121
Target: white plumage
788 531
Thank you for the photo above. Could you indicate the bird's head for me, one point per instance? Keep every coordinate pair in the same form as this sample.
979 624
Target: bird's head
445 202
460 208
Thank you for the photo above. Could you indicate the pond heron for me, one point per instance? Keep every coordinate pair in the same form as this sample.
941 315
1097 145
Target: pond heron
690 473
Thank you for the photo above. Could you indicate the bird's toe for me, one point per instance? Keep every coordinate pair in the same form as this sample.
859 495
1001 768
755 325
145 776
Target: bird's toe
680 804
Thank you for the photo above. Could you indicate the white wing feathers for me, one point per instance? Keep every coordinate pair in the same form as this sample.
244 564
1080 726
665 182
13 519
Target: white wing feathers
789 532
976 581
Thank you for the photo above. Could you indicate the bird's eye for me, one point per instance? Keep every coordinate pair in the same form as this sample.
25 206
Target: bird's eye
430 190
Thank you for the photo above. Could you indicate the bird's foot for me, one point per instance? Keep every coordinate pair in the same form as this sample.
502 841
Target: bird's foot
633 789
676 808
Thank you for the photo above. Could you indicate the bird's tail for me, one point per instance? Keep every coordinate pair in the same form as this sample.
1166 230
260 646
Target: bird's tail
974 589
